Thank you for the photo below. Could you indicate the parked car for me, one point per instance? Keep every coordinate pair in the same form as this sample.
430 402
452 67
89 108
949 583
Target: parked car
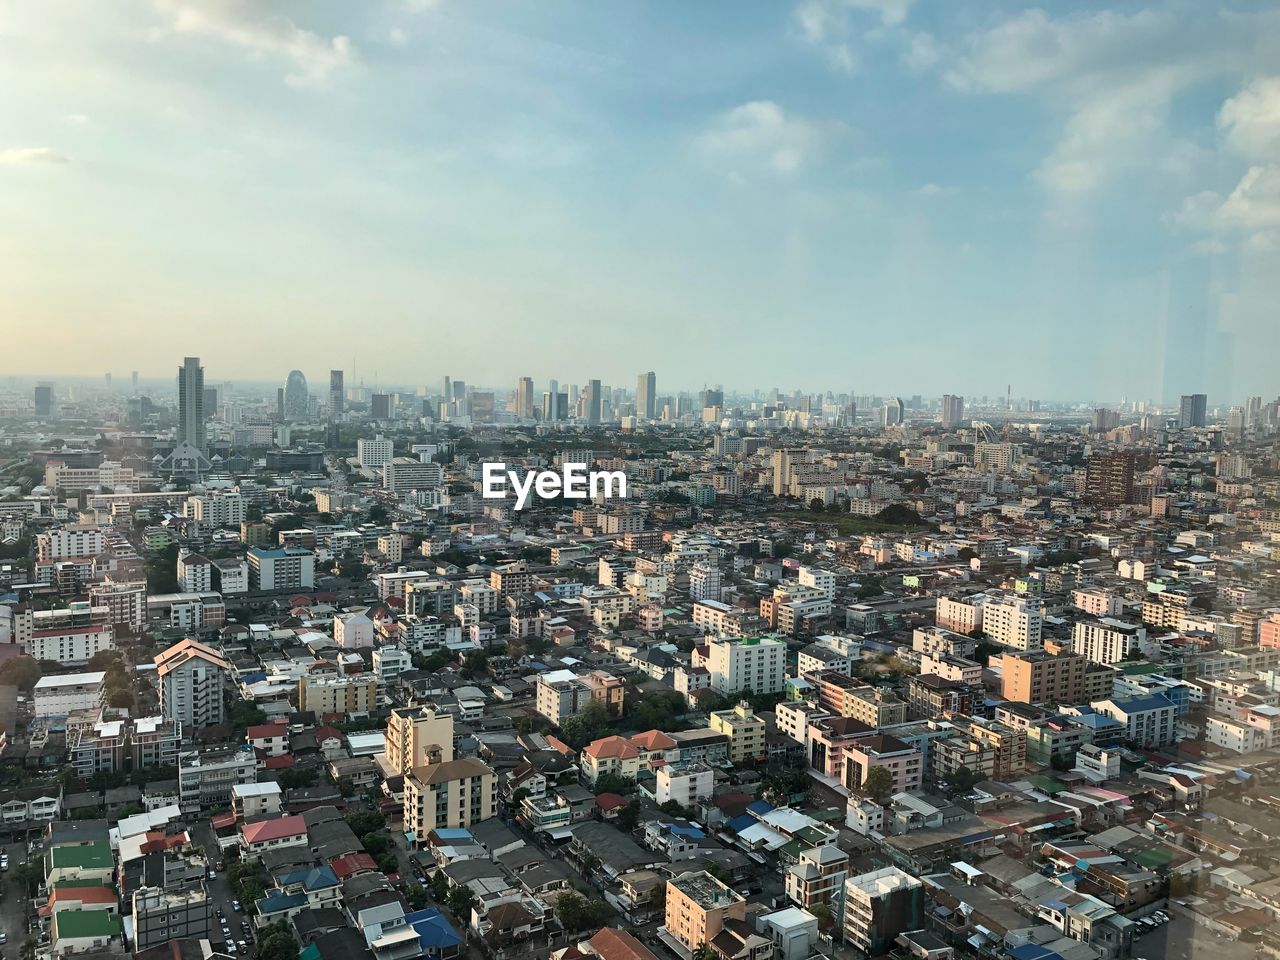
235 905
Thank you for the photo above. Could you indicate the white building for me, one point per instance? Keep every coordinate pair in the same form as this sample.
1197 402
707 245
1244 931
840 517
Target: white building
218 510
192 679
195 573
402 474
374 454
1149 721
704 581
824 580
71 646
1014 621
685 783
389 662
60 694
758 664
961 616
288 568
1107 640
68 542
352 631
230 576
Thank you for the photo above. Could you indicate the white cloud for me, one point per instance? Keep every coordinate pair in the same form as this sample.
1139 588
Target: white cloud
1250 120
397 37
763 135
1113 77
922 53
1255 202
79 119
31 156
242 24
829 25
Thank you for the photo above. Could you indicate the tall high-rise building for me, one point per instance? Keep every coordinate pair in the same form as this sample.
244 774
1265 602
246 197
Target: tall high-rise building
646 395
1109 479
524 398
594 401
210 402
892 413
555 406
134 378
380 406
296 396
952 410
1192 410
280 403
191 403
712 398
337 394
44 399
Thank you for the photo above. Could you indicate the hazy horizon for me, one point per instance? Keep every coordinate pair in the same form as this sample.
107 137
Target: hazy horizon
874 196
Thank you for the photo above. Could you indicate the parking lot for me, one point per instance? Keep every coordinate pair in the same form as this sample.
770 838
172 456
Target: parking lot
1181 939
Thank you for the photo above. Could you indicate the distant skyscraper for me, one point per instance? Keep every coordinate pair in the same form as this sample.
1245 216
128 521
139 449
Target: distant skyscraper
646 395
44 400
594 401
296 396
380 406
1193 410
280 403
135 384
712 398
191 403
1253 410
337 394
482 409
107 381
524 398
952 410
210 402
891 413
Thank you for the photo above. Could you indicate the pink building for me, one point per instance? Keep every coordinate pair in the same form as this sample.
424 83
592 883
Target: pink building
905 763
1269 631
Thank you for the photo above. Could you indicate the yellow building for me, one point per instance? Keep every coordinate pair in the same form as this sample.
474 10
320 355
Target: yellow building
342 694
697 907
745 732
416 737
456 793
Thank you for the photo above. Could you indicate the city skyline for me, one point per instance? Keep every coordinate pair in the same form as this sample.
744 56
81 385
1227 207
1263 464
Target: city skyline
842 191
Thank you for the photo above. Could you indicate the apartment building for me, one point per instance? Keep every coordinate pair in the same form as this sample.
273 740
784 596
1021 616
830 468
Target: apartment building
193 679
1107 640
338 694
755 664
880 905
849 697
417 737
1014 621
71 646
1150 721
454 793
1039 677
285 568
559 695
205 779
125 601
817 877
60 694
960 615
746 732
698 906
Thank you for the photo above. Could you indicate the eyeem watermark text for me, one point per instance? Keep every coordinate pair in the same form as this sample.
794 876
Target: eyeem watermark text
573 482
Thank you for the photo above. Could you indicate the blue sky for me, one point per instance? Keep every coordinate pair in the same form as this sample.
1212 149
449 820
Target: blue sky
885 195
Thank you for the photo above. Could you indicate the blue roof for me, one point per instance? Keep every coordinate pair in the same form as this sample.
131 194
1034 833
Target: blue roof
759 807
434 931
275 901
1033 951
738 824
453 833
692 832
257 676
313 878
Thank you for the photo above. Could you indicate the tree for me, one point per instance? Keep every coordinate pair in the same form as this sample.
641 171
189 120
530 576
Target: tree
871 587
629 816
298 777
826 919
162 571
22 672
365 821
591 724
439 887
475 664
576 912
460 900
416 894
121 699
963 778
613 783
277 943
878 784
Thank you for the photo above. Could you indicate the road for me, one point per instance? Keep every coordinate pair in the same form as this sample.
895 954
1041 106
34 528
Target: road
221 895
14 905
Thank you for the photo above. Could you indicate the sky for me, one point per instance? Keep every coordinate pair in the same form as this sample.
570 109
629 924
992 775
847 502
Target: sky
1076 200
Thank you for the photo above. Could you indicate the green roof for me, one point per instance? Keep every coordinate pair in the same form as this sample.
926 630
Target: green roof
89 856
85 923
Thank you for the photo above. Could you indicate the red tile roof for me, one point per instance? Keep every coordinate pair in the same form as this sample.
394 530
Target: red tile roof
615 746
351 864
612 944
277 829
